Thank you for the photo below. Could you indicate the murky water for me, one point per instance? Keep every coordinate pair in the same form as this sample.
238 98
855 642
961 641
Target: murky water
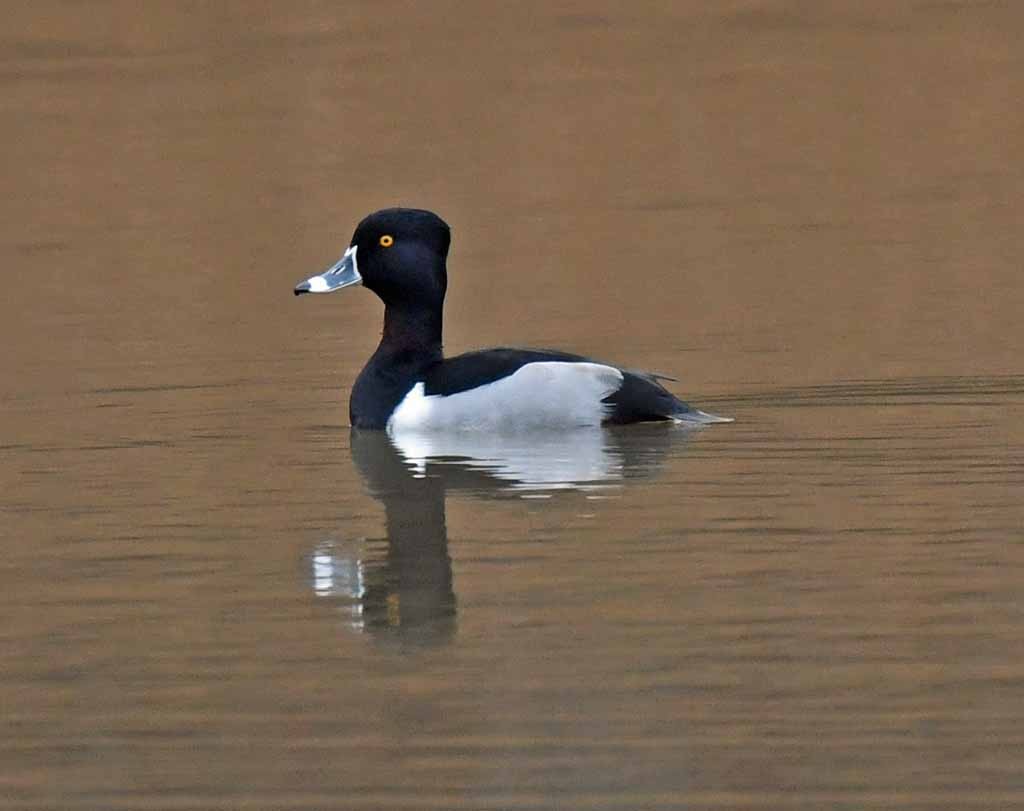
215 596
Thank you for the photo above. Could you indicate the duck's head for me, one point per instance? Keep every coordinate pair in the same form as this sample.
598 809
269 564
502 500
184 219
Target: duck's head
398 253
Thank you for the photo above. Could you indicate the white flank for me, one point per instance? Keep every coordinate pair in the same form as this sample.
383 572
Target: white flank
549 394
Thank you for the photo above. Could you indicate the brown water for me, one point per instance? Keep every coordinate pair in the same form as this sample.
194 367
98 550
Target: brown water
215 597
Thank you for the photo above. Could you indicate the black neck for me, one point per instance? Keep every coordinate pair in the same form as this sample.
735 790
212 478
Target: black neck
410 343
414 333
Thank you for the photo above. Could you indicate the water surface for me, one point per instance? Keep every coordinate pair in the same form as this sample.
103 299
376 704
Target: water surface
216 596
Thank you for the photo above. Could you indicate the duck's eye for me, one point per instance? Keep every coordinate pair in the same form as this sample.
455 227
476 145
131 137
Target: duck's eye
387 241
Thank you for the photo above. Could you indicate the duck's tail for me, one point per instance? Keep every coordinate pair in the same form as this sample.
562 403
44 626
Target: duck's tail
694 416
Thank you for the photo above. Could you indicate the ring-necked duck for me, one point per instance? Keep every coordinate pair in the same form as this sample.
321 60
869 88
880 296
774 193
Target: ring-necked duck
399 254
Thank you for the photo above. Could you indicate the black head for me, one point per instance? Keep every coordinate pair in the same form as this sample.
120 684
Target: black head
402 253
398 253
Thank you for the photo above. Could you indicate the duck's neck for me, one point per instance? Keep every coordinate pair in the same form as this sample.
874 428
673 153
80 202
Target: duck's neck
411 342
411 334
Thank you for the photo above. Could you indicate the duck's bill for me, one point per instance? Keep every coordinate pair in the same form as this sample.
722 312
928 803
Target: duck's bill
344 273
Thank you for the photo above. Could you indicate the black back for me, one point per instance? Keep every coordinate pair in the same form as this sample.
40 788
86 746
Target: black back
640 398
472 369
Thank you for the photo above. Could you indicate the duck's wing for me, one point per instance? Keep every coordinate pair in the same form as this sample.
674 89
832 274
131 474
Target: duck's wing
642 398
473 369
508 390
544 379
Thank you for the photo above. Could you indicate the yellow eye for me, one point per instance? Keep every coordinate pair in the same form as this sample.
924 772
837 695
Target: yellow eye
387 241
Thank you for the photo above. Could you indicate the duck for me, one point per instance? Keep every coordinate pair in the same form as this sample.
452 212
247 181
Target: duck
400 254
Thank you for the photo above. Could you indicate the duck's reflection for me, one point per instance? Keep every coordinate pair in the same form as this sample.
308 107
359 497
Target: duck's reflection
400 586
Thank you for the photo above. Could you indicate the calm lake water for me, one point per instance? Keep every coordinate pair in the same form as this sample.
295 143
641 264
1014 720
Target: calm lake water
215 596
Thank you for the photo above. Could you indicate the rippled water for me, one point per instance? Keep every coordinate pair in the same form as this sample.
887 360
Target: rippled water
217 596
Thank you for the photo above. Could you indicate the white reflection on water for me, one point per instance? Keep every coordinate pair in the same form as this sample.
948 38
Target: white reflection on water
400 586
546 460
